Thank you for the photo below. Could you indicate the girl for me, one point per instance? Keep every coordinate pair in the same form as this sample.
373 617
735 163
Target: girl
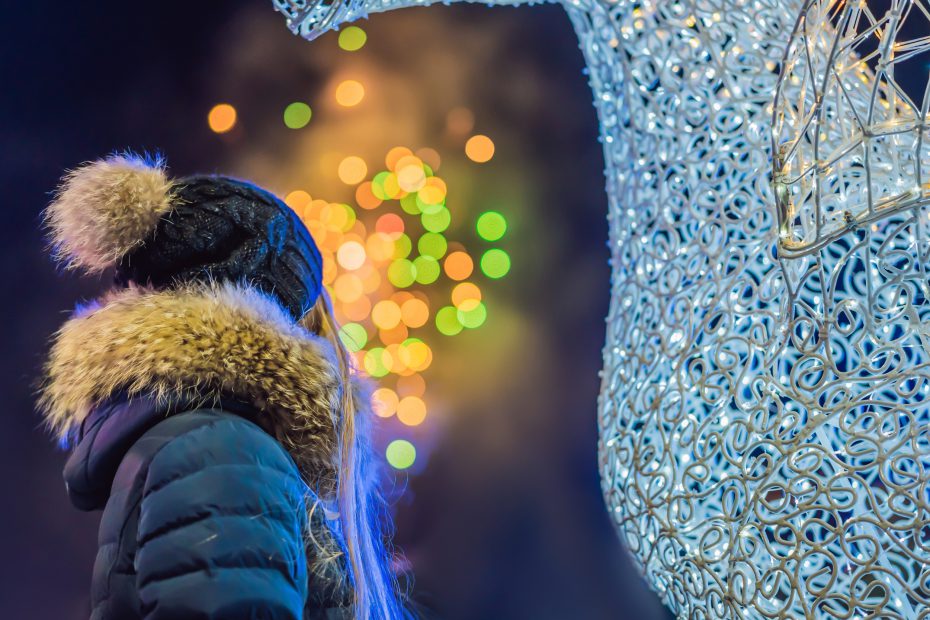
213 412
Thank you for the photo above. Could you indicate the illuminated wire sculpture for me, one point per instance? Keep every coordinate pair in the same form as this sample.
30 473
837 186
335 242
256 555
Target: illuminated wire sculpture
763 415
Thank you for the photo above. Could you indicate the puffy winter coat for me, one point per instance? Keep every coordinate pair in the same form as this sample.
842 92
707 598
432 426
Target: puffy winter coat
204 424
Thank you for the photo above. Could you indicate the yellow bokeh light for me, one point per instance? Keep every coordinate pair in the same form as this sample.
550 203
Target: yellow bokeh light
433 191
411 410
352 170
221 118
411 177
416 355
298 200
479 148
350 93
351 255
384 402
348 287
386 314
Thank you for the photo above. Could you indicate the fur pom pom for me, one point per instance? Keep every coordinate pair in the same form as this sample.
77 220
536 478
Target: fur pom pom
106 208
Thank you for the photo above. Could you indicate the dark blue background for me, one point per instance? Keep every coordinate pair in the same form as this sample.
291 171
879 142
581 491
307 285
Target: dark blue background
527 539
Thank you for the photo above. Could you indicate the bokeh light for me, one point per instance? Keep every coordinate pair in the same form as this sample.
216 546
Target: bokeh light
459 265
447 321
400 454
352 39
386 314
392 266
479 148
384 402
350 93
222 118
411 410
352 170
495 263
432 244
466 291
297 115
491 225
353 336
471 313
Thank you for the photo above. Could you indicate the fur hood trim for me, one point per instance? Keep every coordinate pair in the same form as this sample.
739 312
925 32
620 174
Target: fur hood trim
199 342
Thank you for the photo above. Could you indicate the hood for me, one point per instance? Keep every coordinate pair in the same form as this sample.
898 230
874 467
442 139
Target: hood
200 344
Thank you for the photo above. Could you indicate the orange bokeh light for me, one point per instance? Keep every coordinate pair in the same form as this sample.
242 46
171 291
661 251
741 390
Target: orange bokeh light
411 385
384 402
458 265
411 410
221 118
350 93
394 335
464 292
357 310
298 200
414 312
348 287
395 155
479 148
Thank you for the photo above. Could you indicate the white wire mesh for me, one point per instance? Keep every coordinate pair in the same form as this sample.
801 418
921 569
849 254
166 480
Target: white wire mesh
763 414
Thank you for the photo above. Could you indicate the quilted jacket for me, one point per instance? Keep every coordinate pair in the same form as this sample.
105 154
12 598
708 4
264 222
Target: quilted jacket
203 423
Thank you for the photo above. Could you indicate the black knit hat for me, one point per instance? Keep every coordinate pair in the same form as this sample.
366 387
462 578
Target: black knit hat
123 211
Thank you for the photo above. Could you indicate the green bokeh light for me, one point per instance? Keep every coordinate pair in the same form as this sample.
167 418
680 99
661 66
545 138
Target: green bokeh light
374 362
428 207
447 321
353 336
427 269
432 244
402 246
402 273
495 263
473 317
352 39
401 454
410 204
491 226
438 221
377 185
297 115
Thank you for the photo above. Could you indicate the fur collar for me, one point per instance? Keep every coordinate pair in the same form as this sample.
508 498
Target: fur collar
199 342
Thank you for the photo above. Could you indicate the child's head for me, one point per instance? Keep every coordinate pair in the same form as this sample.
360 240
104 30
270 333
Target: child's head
123 212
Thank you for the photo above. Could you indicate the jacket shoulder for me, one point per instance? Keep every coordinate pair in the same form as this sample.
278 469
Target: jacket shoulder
221 521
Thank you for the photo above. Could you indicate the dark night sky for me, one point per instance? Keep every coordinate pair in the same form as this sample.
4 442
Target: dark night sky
525 538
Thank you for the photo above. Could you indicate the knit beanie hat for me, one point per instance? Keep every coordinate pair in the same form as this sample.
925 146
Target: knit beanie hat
124 212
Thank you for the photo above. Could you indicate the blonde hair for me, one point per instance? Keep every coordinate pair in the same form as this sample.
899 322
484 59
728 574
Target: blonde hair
359 503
